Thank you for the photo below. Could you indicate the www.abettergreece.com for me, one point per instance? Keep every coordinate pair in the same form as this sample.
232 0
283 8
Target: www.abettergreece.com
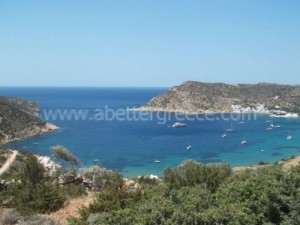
109 114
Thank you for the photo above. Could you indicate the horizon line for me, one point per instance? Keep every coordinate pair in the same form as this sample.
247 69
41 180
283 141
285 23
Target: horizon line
83 87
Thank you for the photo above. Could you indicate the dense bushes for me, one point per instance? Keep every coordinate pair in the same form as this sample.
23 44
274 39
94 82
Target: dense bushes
204 194
37 193
192 193
190 173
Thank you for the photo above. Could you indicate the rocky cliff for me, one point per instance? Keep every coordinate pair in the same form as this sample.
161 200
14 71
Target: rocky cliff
196 97
20 119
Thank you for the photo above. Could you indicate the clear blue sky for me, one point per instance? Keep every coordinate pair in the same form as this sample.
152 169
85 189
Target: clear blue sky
148 42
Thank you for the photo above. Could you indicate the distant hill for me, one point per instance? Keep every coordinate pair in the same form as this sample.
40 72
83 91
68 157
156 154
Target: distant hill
197 97
20 119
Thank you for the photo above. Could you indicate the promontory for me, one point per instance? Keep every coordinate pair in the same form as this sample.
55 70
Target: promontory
20 119
193 97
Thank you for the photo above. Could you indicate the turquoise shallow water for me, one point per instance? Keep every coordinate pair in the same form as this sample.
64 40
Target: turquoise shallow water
131 147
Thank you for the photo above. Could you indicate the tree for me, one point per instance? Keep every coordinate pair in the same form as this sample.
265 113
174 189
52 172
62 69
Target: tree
33 171
64 154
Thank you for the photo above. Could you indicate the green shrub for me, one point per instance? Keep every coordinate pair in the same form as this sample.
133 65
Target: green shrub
191 173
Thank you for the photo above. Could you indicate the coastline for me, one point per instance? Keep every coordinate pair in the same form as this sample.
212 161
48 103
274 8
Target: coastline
187 112
285 165
48 127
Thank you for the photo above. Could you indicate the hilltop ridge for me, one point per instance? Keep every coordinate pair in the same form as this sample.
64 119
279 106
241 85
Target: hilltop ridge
194 97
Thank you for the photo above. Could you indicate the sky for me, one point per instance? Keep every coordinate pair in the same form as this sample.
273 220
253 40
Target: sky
148 43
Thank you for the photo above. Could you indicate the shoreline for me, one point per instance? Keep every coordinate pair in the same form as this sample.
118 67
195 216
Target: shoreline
162 110
285 163
49 127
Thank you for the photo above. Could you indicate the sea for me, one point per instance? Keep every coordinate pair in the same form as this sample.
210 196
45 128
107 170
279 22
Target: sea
96 126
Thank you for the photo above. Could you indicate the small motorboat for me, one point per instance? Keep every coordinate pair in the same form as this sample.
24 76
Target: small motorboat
243 142
230 129
157 161
289 137
178 125
189 147
224 136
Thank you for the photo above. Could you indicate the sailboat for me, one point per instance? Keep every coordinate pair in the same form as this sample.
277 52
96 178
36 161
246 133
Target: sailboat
271 125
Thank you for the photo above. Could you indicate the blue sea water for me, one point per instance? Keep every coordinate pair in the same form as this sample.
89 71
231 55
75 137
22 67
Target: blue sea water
131 147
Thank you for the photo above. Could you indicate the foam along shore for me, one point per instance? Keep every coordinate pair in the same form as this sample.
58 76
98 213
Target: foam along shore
287 115
260 109
48 127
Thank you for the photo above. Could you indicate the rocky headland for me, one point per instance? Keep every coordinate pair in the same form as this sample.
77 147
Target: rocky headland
19 119
193 97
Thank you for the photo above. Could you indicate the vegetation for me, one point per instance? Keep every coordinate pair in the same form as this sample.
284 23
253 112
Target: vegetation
63 153
19 119
191 194
194 193
36 193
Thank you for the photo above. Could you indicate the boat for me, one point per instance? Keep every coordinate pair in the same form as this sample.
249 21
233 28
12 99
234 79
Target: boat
243 142
189 147
289 137
224 135
269 128
157 161
230 129
178 125
268 121
272 124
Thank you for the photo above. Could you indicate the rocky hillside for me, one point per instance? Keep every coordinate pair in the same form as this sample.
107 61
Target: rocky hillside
20 119
197 97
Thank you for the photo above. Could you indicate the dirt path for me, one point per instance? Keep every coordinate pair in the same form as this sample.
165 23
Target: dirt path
71 209
291 163
8 162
